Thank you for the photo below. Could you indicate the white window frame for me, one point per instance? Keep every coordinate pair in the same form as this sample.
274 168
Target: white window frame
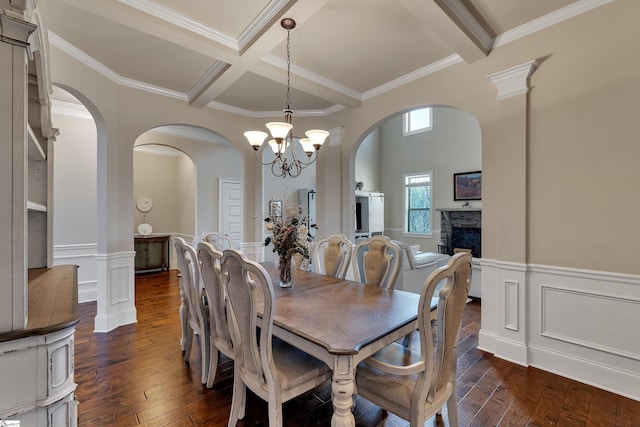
405 204
409 129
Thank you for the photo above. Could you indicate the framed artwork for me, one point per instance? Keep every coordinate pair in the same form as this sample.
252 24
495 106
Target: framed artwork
275 208
467 186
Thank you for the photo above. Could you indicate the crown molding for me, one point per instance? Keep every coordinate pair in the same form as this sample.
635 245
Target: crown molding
87 60
304 73
207 79
70 109
171 16
548 20
412 76
263 19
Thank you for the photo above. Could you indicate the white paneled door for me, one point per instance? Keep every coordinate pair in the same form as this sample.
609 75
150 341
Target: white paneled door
230 210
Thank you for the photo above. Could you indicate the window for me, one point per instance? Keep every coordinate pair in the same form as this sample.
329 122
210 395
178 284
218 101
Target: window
416 121
417 203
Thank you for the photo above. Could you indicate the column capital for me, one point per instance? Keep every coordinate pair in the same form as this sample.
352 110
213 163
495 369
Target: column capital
14 29
513 81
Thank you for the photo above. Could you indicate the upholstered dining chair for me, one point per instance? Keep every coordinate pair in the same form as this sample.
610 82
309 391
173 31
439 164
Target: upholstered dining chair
273 370
219 241
193 315
377 261
220 336
416 385
332 255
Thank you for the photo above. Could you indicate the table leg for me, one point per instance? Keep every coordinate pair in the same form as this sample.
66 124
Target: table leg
342 389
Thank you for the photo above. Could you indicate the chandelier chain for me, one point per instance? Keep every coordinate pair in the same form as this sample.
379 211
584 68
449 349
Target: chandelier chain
288 70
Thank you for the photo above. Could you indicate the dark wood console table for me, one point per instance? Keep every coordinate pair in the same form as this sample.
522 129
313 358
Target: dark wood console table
152 253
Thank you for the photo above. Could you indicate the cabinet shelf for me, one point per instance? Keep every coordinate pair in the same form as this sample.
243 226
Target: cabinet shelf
33 206
36 147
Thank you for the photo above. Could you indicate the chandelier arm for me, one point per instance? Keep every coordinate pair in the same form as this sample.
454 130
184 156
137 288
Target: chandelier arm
265 164
283 172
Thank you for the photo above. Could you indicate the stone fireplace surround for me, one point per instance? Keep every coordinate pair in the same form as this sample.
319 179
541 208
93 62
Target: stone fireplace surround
461 228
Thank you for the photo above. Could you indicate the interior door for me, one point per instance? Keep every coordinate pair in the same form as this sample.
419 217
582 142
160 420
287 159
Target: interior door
230 210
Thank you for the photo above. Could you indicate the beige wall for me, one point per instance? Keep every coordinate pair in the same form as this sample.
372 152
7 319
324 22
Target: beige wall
74 176
368 162
157 175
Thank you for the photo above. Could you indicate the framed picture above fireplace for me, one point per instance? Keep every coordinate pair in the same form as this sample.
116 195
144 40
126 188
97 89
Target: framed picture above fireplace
467 186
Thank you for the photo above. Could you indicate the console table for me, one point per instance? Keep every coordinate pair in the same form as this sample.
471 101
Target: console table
152 253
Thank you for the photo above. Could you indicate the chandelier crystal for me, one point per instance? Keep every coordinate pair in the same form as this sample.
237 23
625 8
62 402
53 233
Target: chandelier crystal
286 161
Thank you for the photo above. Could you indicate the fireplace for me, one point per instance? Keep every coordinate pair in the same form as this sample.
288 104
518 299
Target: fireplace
461 228
466 238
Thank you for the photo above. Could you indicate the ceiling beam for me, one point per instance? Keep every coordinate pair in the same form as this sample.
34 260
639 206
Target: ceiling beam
455 25
252 60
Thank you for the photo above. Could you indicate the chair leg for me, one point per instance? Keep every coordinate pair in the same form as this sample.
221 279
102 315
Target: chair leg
452 410
188 344
406 342
275 412
206 356
213 363
237 401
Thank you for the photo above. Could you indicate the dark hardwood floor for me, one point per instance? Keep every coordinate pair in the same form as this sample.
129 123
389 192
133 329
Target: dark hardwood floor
134 375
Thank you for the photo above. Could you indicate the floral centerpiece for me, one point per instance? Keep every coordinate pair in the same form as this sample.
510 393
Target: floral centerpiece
289 236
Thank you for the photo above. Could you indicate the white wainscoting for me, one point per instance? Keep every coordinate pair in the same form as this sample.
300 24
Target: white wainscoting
116 295
581 324
84 256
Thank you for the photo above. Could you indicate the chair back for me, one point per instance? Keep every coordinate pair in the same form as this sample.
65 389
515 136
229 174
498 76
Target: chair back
210 259
377 261
190 283
440 371
332 255
247 283
219 241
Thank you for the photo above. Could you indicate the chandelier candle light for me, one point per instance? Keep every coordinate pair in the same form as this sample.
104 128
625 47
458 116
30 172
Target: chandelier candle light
281 132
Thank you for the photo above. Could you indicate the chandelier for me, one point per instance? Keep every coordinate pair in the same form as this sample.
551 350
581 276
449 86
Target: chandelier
286 161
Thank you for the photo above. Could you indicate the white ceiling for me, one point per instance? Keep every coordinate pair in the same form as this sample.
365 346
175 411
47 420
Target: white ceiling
231 54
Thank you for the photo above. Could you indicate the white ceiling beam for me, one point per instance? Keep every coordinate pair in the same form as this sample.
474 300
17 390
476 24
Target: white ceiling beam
252 59
455 25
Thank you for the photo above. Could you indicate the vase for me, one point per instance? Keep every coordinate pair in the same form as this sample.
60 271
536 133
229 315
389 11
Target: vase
287 268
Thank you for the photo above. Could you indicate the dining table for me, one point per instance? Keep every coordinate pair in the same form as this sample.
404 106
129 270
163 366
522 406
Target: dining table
340 322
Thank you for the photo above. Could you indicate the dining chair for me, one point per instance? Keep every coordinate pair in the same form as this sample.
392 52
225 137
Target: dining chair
219 241
377 261
332 255
416 385
193 315
220 336
272 369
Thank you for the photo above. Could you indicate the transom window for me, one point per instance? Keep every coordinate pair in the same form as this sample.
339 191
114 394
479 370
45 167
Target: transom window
417 203
416 121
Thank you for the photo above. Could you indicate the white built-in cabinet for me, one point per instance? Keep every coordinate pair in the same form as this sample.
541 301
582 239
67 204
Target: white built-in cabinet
369 214
38 302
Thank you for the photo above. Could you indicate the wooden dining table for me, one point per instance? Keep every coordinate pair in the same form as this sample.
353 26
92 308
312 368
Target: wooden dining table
340 322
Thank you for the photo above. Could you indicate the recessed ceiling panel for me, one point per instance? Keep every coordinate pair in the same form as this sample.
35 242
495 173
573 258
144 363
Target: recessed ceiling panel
229 17
363 44
256 93
130 53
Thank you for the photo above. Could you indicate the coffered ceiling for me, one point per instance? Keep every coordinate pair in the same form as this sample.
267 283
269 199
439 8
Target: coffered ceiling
231 54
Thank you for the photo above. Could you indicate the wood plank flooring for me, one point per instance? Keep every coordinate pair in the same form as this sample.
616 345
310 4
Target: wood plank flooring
134 375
